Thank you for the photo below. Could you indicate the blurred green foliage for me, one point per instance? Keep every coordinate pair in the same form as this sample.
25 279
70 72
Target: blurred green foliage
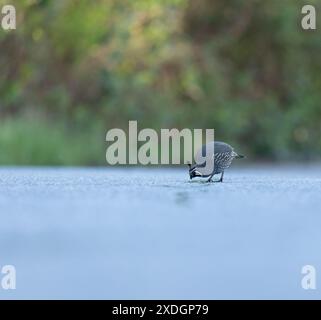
75 68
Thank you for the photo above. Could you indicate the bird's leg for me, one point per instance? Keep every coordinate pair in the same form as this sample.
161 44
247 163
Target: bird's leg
210 178
222 175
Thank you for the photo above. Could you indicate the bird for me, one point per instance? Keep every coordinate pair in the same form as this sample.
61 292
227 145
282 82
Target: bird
221 153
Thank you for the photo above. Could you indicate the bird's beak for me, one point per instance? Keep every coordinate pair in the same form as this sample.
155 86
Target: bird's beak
239 156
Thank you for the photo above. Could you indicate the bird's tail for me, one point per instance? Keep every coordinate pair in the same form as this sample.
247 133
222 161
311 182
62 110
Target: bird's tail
237 156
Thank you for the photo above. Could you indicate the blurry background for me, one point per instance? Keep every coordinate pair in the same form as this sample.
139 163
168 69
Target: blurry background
75 68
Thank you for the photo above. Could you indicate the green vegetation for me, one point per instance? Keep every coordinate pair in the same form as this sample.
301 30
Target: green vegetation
75 68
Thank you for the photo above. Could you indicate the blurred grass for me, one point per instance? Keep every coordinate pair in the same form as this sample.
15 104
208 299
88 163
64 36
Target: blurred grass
74 69
36 141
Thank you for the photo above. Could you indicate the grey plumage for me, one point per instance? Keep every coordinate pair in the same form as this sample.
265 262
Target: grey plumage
220 155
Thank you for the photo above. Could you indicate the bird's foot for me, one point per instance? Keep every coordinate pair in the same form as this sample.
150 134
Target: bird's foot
216 181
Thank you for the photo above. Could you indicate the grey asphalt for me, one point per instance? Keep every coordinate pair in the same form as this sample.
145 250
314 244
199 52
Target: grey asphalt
152 234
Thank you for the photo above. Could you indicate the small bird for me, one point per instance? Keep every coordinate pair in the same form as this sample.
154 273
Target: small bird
221 153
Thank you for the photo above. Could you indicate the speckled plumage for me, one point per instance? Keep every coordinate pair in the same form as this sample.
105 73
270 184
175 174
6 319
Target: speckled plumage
222 154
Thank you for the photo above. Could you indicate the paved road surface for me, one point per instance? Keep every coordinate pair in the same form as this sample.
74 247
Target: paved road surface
151 233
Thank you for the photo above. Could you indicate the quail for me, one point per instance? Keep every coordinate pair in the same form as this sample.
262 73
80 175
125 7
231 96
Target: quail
221 153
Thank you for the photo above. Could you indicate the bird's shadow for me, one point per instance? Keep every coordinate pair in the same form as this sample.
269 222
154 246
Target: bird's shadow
203 182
